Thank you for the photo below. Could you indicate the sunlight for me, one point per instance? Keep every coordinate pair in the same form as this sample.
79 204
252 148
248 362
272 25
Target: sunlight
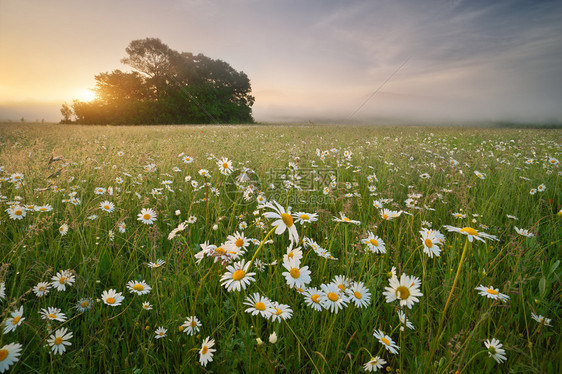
87 95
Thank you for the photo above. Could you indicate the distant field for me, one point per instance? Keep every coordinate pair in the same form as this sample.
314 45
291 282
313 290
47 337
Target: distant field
405 249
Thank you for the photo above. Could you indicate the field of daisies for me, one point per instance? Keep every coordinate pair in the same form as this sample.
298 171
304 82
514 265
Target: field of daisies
279 249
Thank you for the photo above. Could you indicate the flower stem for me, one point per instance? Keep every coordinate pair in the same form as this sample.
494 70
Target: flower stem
261 245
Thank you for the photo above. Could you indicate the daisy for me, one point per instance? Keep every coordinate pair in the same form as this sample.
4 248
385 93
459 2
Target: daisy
9 354
83 305
312 298
14 321
62 279
284 220
206 352
374 243
341 282
60 340
359 295
495 350
41 289
479 174
112 297
239 241
44 208
225 166
491 293
293 253
156 264
430 240
259 305
187 159
332 298
343 218
553 161
374 364
147 216
237 276
16 212
540 319
296 276
191 325
541 188
406 290
386 341
122 227
532 191
53 314
459 215
146 305
107 206
302 217
63 229
160 332
524 232
280 312
378 204
140 288
389 215
471 233
404 320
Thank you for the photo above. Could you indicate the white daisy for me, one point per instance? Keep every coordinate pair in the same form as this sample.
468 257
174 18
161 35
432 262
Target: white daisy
471 233
9 354
406 290
492 293
107 206
112 297
284 220
191 325
387 341
540 319
160 332
59 340
312 298
495 350
374 364
374 243
41 289
52 314
62 279
140 288
237 276
296 276
206 352
332 298
359 295
14 321
147 216
259 304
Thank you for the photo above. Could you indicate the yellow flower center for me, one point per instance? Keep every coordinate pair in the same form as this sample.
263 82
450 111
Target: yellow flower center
428 243
333 296
287 219
220 250
52 315
3 354
146 216
374 242
16 320
18 212
204 350
403 292
85 304
106 207
357 295
385 341
385 216
225 165
491 291
291 255
469 231
110 300
278 312
346 219
295 273
239 242
62 280
259 305
193 324
58 340
305 216
41 288
238 274
138 287
315 298
341 287
42 209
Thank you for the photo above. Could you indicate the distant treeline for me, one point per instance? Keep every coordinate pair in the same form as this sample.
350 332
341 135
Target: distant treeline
166 87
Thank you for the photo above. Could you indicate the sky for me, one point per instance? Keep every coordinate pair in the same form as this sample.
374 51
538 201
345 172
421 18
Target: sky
328 61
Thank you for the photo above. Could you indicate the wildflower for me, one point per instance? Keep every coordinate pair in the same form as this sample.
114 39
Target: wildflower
187 159
332 298
258 305
524 232
62 279
459 215
206 352
140 288
112 297
492 293
343 218
302 217
430 240
53 314
471 233
552 161
374 243
14 321
312 298
16 212
406 290
284 220
225 166
156 264
122 227
146 305
99 190
147 216
386 341
238 241
479 174
541 188
107 206
60 340
296 276
41 289
495 350
83 305
540 319
160 332
63 229
532 191
359 295
404 320
273 338
237 276
191 325
9 354
280 312
389 215
374 364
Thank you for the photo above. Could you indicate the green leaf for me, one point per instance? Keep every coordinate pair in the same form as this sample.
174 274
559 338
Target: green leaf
542 286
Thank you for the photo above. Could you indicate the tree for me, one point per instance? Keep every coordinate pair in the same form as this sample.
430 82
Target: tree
67 113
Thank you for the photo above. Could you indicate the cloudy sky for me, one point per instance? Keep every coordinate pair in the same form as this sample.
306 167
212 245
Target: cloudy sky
313 60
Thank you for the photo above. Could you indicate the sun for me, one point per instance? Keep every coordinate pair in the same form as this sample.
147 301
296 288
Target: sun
87 95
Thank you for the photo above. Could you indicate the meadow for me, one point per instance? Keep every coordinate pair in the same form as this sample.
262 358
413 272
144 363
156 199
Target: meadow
171 249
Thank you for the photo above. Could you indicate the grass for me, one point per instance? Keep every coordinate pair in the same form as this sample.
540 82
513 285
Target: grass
122 338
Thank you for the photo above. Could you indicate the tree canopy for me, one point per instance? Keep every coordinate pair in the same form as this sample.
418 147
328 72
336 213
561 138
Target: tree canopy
166 87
